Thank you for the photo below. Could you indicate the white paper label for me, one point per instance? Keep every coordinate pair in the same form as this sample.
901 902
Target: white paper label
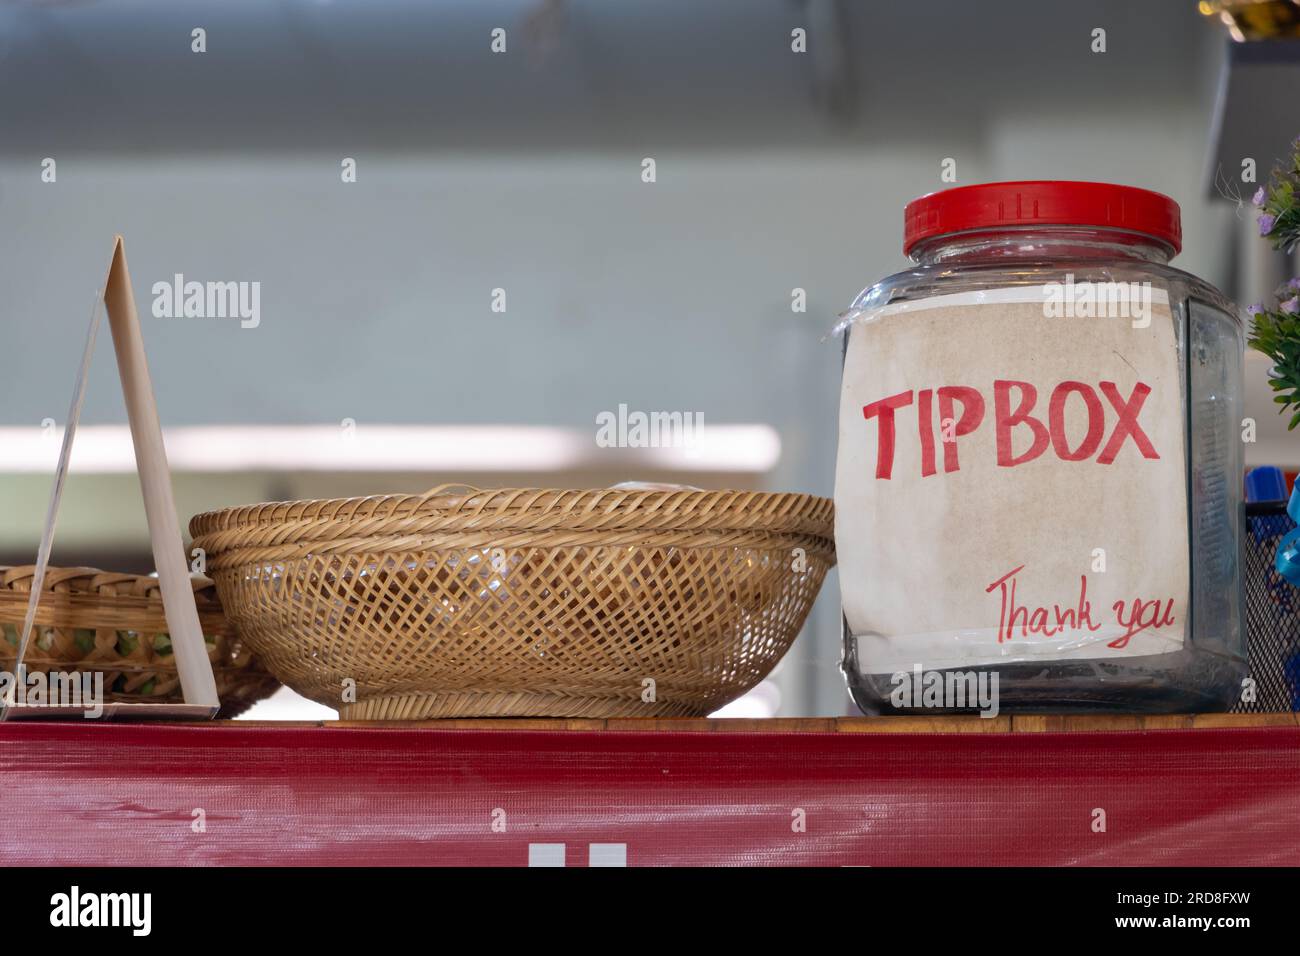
1011 482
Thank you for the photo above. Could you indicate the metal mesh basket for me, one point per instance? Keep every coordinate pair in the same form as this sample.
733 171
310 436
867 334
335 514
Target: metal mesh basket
1272 614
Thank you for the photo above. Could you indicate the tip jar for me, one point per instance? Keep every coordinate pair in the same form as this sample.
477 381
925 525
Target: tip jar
1039 477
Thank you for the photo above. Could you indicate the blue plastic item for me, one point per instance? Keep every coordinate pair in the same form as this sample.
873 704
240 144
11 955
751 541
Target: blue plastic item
1288 552
1265 483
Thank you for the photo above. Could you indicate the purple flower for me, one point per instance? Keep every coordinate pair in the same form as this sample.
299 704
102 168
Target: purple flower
1290 305
1293 283
1256 309
1266 223
1259 197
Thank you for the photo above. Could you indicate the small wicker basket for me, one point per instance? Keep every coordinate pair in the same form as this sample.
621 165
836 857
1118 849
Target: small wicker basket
91 620
467 603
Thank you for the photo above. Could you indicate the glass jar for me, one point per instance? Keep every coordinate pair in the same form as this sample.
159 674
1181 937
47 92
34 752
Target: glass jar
1039 483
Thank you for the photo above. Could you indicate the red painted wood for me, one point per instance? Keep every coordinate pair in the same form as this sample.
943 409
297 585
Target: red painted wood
104 794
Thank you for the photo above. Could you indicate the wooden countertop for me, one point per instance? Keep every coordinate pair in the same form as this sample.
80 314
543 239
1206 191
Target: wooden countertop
1003 724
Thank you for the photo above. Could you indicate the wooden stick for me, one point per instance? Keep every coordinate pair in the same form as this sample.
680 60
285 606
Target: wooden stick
192 664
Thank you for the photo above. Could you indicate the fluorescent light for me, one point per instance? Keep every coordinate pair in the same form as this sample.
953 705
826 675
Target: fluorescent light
106 449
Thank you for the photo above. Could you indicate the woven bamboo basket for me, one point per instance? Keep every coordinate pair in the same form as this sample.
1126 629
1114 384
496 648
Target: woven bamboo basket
91 620
467 603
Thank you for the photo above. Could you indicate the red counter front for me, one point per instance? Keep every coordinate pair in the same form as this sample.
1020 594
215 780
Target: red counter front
299 794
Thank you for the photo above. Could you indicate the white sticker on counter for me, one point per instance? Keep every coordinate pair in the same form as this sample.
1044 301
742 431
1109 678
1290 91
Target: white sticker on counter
1011 483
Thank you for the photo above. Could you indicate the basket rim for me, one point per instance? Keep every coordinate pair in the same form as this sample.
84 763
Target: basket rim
84 597
100 584
606 509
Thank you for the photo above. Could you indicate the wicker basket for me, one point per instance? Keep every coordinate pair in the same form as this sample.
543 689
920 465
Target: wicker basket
91 620
521 602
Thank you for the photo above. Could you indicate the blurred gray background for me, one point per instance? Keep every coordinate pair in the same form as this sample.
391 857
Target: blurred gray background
522 171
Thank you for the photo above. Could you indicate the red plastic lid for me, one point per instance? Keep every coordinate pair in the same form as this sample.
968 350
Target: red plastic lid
1042 203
